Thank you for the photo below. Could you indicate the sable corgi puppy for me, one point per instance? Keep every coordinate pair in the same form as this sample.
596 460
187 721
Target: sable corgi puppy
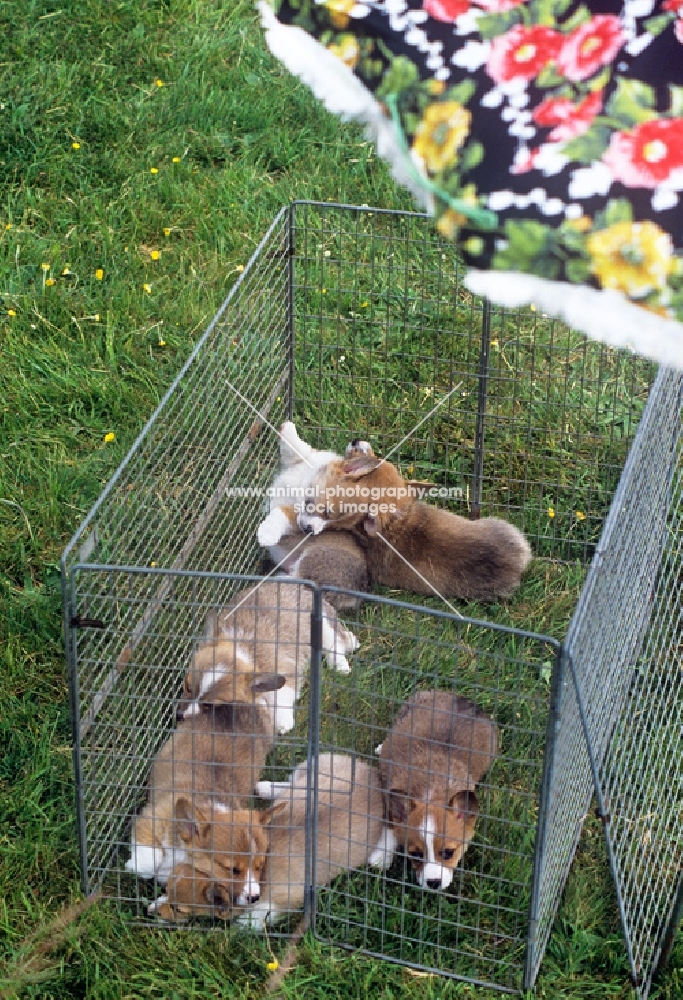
437 750
350 821
331 559
412 545
216 756
222 844
266 629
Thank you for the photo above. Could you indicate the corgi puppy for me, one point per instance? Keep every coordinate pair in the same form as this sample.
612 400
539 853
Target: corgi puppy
224 845
300 464
438 749
350 821
411 545
265 629
215 756
339 563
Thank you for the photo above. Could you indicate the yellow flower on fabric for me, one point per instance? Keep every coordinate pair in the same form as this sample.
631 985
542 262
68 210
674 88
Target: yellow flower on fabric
440 134
154 254
108 438
436 87
99 274
450 222
631 257
339 11
347 50
551 512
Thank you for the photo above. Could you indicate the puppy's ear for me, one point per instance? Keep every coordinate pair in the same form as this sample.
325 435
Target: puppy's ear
193 824
265 816
399 805
268 682
356 468
465 803
211 624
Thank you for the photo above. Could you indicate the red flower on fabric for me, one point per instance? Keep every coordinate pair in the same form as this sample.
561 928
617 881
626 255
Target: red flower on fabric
590 47
673 5
521 53
648 155
568 118
446 10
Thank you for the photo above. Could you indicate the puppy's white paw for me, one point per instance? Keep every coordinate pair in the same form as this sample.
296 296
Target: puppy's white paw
339 662
271 530
156 904
383 854
350 642
311 522
288 432
253 919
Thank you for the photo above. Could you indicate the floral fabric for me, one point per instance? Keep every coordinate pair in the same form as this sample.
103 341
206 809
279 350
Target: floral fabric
548 133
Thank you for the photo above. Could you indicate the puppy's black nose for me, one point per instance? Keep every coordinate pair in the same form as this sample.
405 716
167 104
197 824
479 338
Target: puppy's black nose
255 898
433 883
356 442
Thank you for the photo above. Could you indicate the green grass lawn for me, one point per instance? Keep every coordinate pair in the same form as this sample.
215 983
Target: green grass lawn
145 146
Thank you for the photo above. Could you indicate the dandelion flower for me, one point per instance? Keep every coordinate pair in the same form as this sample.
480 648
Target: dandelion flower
75 145
154 254
50 281
8 225
45 267
272 966
96 317
11 312
108 438
66 269
176 159
580 516
167 231
159 82
551 512
494 343
364 305
153 563
161 343
99 274
154 170
147 288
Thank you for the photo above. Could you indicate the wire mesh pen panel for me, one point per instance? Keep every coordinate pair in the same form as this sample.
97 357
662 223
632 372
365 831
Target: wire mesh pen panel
355 323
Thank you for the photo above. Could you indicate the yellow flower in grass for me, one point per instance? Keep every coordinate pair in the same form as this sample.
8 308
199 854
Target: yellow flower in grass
551 513
154 254
147 288
339 11
580 516
108 438
442 131
50 282
632 257
347 49
99 274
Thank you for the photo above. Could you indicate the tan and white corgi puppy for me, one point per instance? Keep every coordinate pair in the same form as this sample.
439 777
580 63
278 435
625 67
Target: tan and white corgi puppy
438 749
350 823
265 628
300 464
222 845
215 757
411 545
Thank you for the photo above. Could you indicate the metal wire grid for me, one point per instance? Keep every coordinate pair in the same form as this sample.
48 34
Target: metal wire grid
538 419
166 503
624 649
477 929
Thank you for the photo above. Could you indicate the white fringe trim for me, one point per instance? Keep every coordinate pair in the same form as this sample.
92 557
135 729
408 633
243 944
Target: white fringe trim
602 315
337 87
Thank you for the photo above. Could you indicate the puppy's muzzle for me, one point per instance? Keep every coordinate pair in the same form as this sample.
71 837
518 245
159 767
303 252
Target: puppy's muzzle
433 883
